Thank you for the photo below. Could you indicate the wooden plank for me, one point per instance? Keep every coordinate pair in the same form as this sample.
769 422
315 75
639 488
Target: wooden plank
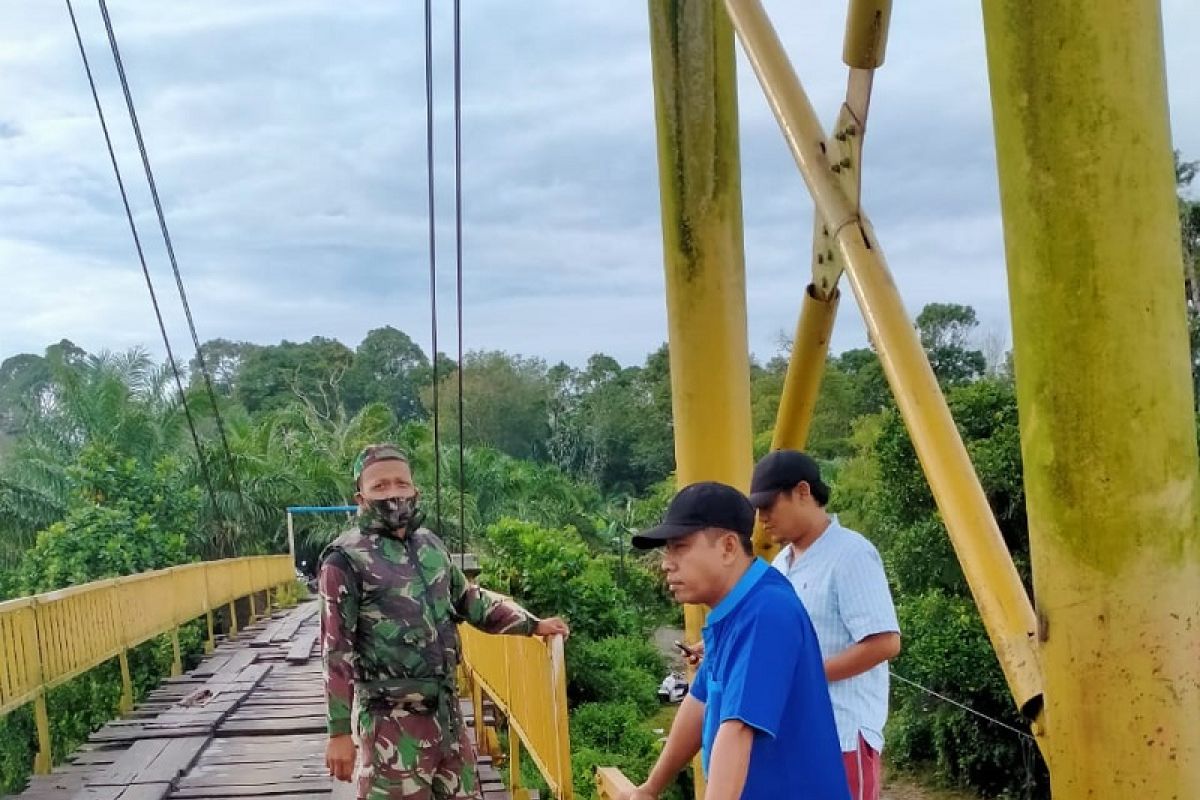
132 734
99 793
92 758
255 773
142 791
264 638
302 649
312 724
309 786
294 620
323 794
176 758
237 662
146 791
285 742
212 665
126 768
252 674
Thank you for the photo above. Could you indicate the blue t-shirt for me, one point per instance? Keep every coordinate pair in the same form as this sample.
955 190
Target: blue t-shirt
763 666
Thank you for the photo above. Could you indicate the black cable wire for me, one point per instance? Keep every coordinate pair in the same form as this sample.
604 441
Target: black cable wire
166 235
437 450
963 706
458 253
137 243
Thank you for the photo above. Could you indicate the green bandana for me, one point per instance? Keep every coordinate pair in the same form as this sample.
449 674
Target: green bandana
376 452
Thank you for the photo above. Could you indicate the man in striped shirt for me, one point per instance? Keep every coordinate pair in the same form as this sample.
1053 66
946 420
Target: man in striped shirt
839 577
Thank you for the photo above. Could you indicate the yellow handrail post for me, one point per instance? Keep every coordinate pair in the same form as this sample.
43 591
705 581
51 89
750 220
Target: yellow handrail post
253 609
233 620
126 703
176 655
210 643
477 708
1001 597
559 698
43 761
1104 389
514 767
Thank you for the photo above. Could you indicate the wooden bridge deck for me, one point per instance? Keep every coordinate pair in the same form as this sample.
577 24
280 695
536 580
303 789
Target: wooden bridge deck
248 722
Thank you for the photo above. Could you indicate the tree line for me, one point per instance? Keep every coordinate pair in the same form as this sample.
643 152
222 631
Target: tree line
99 477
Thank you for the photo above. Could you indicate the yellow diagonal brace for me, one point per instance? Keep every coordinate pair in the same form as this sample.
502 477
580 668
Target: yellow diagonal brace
995 584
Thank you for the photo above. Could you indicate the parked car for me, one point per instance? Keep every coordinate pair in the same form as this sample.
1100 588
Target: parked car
673 688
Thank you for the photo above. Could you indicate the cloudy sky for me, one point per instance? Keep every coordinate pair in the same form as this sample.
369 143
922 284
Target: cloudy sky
288 141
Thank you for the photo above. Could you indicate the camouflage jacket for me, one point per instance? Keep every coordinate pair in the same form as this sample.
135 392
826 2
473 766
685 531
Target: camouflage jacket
390 604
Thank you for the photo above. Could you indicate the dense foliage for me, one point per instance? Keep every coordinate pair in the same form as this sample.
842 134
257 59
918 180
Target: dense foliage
99 476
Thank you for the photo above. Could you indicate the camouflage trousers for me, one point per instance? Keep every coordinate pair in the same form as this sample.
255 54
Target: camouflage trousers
415 755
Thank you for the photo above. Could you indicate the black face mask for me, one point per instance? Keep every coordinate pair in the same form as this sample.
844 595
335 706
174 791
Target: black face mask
395 513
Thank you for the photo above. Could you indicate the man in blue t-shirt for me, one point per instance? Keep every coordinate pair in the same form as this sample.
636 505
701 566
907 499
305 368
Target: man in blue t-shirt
759 707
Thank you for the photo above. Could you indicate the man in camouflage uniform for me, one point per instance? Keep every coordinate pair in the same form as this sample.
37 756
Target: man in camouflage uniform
390 601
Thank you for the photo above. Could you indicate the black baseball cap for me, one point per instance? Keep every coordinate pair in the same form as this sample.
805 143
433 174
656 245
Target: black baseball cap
700 506
780 471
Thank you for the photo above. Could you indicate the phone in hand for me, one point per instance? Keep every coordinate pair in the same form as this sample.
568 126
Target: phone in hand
687 651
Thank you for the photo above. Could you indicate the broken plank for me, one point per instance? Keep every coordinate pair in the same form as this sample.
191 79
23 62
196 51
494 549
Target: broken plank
176 758
237 662
294 620
142 791
125 769
211 665
302 648
264 638
252 675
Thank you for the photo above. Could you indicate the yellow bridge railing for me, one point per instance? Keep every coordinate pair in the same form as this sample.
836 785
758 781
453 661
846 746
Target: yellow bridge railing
526 678
48 639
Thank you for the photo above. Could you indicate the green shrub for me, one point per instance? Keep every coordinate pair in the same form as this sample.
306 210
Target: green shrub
618 727
553 572
947 650
614 670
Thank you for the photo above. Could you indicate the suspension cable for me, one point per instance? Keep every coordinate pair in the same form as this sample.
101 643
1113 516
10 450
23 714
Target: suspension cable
166 236
458 264
137 243
437 450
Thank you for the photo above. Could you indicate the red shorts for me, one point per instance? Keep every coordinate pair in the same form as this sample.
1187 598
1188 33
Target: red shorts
864 768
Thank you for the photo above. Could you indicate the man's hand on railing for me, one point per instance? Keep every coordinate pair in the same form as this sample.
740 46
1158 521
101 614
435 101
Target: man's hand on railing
553 626
340 756
638 793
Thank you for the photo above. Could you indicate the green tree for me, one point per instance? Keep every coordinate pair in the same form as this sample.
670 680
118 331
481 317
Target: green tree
946 330
24 379
608 424
223 358
389 368
312 373
505 403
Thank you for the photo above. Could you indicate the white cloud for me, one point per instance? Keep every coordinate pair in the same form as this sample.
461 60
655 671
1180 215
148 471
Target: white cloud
288 142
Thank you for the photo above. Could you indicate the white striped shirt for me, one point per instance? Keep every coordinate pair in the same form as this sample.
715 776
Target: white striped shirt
841 582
